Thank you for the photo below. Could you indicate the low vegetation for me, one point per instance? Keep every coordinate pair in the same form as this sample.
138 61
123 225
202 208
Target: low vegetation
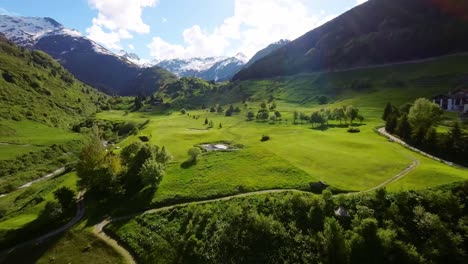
403 227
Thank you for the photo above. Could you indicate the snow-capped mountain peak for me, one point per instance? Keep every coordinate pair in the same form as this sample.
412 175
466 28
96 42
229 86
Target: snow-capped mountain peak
241 56
27 31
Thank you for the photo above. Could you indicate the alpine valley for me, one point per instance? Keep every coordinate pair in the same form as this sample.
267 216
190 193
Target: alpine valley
347 144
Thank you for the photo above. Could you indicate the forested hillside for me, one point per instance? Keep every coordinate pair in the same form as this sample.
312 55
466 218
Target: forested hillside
376 32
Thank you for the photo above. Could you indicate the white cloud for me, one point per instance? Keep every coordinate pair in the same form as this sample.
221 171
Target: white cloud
131 47
254 25
117 19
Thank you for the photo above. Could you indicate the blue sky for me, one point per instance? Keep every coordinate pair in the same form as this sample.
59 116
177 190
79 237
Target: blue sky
165 29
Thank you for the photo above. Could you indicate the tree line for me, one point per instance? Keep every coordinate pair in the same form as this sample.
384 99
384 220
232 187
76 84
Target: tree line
416 125
426 226
106 173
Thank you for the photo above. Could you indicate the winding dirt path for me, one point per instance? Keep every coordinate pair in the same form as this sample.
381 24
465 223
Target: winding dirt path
99 228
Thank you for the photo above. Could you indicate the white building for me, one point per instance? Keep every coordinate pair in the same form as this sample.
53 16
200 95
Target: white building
455 101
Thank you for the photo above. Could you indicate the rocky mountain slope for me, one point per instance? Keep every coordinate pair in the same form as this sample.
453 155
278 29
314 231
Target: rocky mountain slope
376 32
211 68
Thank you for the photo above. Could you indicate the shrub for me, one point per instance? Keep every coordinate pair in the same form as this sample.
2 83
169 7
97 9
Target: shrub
354 130
265 138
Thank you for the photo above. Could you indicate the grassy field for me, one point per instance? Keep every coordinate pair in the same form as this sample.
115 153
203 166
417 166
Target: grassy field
74 246
295 156
23 206
21 137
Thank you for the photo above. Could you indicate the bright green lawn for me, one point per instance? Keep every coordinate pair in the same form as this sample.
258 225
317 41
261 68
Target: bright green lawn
21 137
295 156
34 133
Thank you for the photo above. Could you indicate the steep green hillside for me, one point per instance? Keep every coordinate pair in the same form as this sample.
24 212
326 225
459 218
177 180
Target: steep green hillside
377 32
33 86
367 87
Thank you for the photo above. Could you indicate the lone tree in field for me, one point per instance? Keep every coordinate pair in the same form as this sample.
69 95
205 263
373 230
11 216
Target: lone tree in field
352 113
194 153
206 120
250 116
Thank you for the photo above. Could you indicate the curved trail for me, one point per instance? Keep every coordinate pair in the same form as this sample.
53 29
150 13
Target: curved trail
99 228
80 210
384 133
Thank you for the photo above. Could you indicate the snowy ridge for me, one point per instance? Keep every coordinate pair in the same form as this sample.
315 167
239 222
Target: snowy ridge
210 68
27 31
187 67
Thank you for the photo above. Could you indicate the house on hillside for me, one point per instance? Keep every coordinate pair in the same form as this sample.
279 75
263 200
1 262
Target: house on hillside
454 101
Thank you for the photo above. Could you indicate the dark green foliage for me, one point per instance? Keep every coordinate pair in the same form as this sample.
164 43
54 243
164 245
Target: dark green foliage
109 174
391 124
138 102
250 115
322 99
387 111
265 138
263 114
353 130
66 198
405 227
403 128
420 131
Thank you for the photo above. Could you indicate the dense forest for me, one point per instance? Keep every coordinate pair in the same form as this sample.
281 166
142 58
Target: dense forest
429 226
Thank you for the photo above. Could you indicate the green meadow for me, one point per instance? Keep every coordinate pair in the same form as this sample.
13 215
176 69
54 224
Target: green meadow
294 156
21 137
298 154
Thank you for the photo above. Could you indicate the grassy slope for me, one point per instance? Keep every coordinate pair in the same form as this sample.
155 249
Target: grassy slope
40 89
21 137
74 246
19 207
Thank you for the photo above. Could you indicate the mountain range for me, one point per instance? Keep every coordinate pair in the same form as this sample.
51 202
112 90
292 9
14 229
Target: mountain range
87 60
374 33
116 73
216 68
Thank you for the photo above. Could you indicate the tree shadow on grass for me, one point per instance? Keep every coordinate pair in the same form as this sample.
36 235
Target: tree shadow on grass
188 163
321 128
30 253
